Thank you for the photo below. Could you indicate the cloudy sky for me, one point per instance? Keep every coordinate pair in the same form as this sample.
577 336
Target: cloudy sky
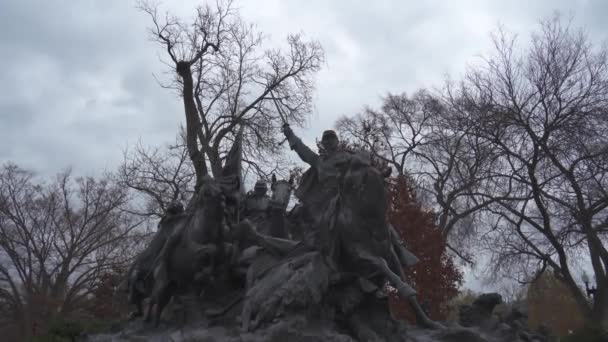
77 85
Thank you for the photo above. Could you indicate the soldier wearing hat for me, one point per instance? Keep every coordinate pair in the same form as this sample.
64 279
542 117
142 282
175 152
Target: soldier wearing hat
320 183
139 279
318 189
257 203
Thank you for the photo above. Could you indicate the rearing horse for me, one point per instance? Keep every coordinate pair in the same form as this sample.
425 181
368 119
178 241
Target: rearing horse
359 235
191 253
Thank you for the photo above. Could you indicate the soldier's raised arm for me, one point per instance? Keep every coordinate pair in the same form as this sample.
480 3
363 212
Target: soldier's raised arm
306 154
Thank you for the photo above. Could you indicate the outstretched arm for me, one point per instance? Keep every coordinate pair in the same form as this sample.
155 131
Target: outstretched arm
305 153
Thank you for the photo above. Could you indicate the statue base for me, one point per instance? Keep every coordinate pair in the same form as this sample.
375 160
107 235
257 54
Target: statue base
292 329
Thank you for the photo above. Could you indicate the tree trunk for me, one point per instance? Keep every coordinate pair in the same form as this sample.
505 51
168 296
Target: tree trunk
26 328
193 122
595 312
599 315
215 162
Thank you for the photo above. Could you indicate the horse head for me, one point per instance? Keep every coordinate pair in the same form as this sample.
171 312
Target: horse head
362 187
281 192
210 209
211 194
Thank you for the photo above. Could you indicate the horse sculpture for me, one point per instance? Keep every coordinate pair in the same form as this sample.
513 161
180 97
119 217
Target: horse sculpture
266 242
274 228
359 236
191 254
354 238
138 282
281 194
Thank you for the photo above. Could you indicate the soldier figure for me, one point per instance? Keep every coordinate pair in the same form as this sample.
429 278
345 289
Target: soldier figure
318 189
319 183
257 203
140 274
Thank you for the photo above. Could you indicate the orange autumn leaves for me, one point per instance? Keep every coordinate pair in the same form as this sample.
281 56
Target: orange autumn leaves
435 276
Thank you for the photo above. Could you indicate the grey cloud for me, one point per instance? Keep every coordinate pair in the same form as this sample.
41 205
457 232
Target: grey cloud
381 46
76 82
84 69
77 85
78 35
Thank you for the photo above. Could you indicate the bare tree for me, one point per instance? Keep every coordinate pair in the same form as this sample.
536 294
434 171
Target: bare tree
226 80
420 136
544 112
396 131
160 175
453 169
56 239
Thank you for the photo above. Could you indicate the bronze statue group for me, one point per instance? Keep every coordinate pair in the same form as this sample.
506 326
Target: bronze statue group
255 260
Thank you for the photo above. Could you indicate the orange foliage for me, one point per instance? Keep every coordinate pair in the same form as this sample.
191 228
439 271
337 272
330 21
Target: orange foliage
551 303
435 276
103 304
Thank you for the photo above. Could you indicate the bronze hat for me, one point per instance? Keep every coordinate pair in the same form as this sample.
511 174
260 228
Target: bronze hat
260 185
329 134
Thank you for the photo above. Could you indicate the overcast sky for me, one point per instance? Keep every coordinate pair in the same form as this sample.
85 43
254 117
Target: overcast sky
77 85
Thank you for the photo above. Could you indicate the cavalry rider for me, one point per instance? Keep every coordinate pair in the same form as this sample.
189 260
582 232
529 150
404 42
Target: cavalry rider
321 181
318 188
140 272
257 203
145 261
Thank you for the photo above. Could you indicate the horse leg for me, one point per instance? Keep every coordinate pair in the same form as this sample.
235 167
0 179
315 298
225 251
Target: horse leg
283 230
163 300
246 316
140 308
421 318
183 315
135 298
250 277
148 315
139 311
161 282
401 253
402 287
408 293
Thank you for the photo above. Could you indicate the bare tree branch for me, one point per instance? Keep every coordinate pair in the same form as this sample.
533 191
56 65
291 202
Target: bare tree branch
55 240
